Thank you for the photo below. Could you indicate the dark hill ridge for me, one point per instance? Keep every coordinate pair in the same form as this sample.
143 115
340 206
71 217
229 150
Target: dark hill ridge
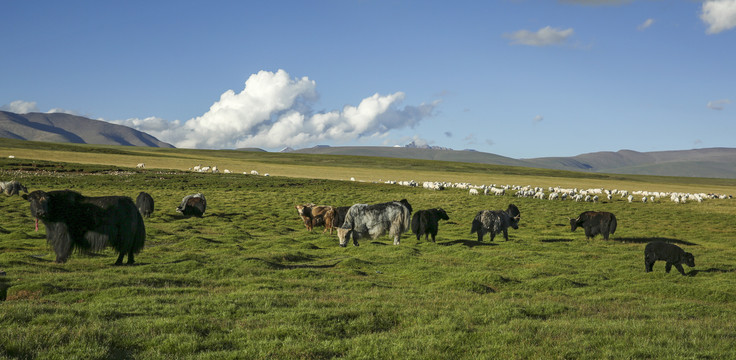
60 127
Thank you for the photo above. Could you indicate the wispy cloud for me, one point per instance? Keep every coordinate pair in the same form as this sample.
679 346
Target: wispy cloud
448 134
20 107
647 23
718 104
543 37
719 15
537 119
274 110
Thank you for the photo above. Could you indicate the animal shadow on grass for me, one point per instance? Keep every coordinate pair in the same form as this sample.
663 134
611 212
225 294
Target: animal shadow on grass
555 240
711 270
645 240
468 243
296 266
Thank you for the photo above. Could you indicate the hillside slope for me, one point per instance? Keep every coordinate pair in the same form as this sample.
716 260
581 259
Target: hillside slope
60 127
710 162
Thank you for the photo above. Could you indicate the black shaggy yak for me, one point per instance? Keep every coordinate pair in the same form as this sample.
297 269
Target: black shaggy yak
496 222
340 212
426 222
193 205
88 223
594 223
670 253
144 203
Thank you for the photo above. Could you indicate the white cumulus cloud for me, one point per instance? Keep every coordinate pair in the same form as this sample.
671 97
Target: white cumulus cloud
274 110
719 15
543 37
718 104
20 107
537 119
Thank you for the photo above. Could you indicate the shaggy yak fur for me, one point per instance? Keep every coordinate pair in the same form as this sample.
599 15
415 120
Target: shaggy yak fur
496 222
144 203
193 205
671 254
11 188
88 223
426 222
375 220
594 223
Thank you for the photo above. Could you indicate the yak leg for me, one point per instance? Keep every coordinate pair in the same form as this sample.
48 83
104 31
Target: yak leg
120 259
668 267
480 235
506 234
131 258
680 269
397 239
433 235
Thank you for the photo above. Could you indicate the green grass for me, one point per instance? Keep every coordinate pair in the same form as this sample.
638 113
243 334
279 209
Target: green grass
248 281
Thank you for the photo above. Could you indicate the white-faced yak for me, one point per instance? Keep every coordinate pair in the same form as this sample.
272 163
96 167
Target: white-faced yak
670 253
426 222
363 220
88 223
496 222
594 223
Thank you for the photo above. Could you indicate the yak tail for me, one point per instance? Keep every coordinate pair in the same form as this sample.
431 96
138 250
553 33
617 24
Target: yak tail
476 227
139 235
477 224
406 217
612 227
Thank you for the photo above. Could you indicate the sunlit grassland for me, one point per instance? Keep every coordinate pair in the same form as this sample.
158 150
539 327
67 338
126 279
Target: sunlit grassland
248 281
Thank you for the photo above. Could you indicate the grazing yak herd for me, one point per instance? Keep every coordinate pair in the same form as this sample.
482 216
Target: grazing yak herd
74 221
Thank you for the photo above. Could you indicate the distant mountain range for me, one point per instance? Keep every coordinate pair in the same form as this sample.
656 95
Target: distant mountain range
60 127
711 162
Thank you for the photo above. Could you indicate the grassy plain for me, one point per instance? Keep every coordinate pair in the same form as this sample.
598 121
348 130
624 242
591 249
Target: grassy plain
248 281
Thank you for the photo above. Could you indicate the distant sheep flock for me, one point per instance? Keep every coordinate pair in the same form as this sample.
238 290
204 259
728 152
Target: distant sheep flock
536 192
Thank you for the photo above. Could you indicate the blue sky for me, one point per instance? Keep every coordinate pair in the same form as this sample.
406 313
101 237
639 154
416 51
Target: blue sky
516 78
